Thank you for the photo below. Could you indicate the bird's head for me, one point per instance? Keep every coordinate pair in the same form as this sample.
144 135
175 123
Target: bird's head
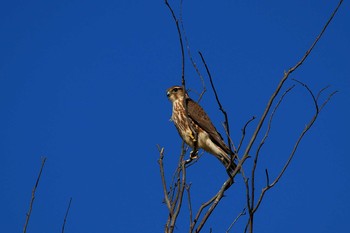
176 93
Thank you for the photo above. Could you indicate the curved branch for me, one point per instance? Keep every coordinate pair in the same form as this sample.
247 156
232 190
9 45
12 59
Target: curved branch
279 86
296 145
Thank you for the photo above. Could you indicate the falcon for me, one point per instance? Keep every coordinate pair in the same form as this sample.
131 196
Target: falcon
196 128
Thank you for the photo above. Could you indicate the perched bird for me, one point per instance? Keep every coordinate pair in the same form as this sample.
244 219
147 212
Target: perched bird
197 130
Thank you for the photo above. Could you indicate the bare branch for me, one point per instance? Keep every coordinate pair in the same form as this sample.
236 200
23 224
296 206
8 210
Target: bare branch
327 100
214 201
244 132
161 166
296 145
263 142
178 186
65 217
188 187
173 199
267 177
279 86
321 91
43 160
180 40
218 101
190 56
178 202
243 212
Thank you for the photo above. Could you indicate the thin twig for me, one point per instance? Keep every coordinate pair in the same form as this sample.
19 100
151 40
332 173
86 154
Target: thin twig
180 196
243 212
190 55
244 132
180 40
217 100
252 180
279 86
216 201
188 187
161 167
65 217
43 160
296 145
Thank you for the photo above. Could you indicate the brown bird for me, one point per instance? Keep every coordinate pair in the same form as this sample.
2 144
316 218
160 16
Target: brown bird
197 130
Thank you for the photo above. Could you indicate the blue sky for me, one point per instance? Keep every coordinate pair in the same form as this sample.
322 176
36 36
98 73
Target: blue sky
83 83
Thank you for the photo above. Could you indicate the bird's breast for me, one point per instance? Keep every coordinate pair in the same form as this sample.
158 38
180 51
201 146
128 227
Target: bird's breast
182 123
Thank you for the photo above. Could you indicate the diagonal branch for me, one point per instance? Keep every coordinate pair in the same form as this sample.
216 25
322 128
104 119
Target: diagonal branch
279 86
243 212
218 101
65 217
43 160
213 202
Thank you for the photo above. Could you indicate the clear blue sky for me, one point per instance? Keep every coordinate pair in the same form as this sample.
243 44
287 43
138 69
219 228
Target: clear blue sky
83 83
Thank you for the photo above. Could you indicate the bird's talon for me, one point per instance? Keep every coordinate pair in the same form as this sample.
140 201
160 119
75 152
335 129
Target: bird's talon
193 155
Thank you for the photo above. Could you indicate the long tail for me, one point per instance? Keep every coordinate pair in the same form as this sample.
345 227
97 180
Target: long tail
229 163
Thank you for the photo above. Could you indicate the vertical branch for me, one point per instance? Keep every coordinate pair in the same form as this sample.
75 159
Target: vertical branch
176 20
65 217
43 160
181 42
161 167
190 55
173 200
244 132
188 187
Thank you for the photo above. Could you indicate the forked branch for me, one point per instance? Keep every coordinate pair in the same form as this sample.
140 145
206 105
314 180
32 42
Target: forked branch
318 108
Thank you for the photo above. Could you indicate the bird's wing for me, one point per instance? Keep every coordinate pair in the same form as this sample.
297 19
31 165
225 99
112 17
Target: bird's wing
198 115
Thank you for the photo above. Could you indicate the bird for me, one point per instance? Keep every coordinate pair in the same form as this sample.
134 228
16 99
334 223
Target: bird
196 129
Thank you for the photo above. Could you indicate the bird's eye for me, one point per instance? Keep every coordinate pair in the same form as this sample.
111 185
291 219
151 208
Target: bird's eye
175 89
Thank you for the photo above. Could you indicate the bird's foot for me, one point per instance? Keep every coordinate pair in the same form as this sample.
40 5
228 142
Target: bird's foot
194 154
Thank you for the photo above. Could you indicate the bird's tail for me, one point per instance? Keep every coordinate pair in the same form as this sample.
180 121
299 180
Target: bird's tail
229 162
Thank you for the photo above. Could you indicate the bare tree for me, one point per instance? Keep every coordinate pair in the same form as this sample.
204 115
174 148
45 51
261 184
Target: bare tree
179 186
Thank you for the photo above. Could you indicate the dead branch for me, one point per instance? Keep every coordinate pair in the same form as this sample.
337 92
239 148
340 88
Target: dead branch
252 179
296 145
188 187
226 122
66 215
173 198
194 64
243 212
216 201
180 40
161 166
178 185
43 160
283 80
244 132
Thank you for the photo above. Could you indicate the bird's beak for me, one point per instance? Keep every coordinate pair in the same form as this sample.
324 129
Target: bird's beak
168 94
